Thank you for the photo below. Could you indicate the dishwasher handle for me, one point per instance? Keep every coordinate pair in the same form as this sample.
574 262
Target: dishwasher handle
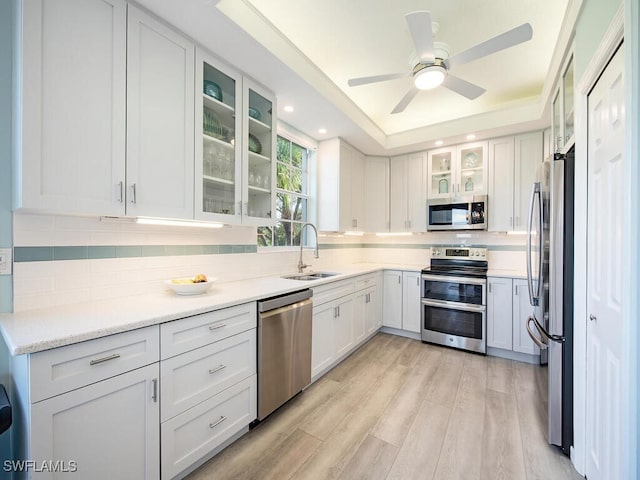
283 300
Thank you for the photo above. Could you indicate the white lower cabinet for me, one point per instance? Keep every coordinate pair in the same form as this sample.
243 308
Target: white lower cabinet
507 311
195 433
109 429
209 393
522 309
401 300
345 314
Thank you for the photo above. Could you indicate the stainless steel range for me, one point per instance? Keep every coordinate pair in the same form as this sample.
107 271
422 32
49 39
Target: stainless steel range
454 298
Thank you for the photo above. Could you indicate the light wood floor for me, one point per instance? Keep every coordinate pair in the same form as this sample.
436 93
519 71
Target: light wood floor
401 409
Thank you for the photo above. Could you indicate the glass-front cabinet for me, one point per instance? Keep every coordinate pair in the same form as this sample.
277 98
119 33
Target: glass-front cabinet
235 135
563 124
457 171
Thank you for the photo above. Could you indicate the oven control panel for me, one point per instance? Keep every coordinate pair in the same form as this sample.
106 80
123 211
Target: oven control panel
459 252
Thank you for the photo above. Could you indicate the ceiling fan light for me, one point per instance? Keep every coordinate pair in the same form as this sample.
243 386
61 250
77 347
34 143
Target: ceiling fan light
429 77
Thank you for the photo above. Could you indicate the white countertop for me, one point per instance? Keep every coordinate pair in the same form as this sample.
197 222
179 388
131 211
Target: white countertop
36 330
507 273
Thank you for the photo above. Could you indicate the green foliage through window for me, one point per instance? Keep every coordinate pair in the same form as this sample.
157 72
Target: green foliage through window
291 196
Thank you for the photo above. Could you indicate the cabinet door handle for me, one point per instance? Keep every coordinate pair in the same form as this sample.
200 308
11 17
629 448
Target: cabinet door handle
490 288
246 208
592 317
240 207
511 221
338 310
399 279
217 369
217 422
418 281
217 326
133 193
154 394
113 356
121 190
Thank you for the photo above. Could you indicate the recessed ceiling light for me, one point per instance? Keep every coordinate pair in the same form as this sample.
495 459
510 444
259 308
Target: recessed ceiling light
471 136
288 108
439 142
322 131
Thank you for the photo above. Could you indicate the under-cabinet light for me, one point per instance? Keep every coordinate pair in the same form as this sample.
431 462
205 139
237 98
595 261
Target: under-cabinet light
393 234
354 234
177 223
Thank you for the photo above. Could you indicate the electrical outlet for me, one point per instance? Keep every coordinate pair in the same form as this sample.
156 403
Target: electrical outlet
5 261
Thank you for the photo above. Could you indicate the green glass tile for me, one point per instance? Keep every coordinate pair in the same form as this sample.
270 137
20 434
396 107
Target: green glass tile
194 249
102 251
70 253
237 249
126 251
250 249
153 250
32 254
211 249
175 250
226 248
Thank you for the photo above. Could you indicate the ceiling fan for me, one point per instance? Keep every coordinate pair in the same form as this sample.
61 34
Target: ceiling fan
432 64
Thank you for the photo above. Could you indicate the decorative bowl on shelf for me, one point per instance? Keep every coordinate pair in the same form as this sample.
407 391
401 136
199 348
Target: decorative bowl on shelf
189 286
470 160
254 113
254 144
213 90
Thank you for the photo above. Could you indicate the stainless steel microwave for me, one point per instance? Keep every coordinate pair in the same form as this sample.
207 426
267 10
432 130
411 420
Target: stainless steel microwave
463 213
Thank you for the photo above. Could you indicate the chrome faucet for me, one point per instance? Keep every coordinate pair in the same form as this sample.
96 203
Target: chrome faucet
302 266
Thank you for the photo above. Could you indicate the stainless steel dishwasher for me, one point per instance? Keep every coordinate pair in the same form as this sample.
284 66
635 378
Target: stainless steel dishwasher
284 349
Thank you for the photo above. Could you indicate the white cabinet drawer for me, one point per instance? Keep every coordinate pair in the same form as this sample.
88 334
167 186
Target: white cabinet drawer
366 281
189 333
192 377
193 434
66 368
331 291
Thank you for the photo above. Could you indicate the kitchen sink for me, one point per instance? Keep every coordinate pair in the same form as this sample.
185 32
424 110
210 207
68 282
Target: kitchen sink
310 276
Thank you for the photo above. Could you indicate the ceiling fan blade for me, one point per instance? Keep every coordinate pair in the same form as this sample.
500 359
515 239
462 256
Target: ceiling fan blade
405 100
354 82
462 87
505 40
422 33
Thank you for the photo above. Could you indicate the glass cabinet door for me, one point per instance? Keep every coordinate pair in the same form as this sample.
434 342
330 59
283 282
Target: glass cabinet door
259 163
472 163
567 82
556 126
218 160
440 168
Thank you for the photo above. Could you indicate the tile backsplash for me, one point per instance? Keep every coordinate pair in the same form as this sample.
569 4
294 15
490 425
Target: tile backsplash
61 260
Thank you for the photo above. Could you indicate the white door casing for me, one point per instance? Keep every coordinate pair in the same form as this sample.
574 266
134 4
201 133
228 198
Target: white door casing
606 180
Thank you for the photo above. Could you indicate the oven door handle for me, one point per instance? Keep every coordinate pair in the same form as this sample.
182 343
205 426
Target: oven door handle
465 307
444 278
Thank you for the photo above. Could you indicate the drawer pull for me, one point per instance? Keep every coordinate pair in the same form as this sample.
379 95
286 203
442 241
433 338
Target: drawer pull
154 395
217 369
104 359
217 422
217 326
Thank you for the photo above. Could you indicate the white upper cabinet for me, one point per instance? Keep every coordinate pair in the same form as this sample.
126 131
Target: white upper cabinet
160 117
512 162
376 194
72 82
562 120
408 205
340 187
458 171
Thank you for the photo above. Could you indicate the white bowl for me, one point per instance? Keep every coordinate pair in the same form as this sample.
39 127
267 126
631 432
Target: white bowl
190 288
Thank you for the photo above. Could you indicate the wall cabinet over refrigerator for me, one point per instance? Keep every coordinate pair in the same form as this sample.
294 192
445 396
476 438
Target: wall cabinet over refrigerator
408 211
562 124
340 187
512 165
235 167
457 171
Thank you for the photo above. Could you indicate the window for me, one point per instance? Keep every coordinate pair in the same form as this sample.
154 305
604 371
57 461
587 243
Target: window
292 196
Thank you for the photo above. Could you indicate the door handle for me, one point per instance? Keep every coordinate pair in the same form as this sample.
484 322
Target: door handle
592 317
154 394
133 193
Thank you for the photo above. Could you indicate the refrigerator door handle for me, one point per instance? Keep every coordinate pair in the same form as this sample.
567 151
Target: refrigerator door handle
538 341
535 190
546 336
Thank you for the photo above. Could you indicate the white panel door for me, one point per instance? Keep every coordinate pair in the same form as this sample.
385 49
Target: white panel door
604 272
521 312
322 348
73 106
416 197
501 167
499 313
392 299
343 325
160 116
528 156
411 306
398 215
376 194
111 429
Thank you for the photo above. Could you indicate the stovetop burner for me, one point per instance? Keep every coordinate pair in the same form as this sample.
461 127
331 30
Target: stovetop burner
458 262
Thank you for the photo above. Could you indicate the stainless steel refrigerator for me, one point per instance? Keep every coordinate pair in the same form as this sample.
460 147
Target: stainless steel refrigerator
550 278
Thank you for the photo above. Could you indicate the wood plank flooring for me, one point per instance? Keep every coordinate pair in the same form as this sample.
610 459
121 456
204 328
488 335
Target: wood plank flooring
401 409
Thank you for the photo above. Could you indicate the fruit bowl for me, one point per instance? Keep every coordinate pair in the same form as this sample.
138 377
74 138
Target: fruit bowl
187 286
